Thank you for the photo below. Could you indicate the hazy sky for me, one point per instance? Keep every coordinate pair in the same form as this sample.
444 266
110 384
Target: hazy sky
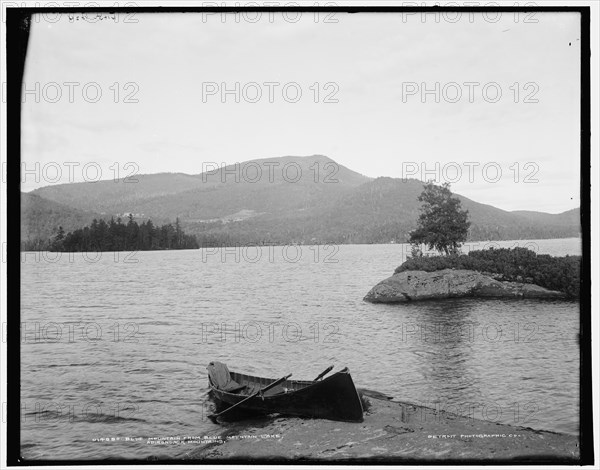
371 67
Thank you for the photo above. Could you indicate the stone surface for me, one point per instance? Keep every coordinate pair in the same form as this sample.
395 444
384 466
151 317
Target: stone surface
422 285
392 431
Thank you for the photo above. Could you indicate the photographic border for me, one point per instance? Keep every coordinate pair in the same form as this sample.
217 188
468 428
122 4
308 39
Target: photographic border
17 33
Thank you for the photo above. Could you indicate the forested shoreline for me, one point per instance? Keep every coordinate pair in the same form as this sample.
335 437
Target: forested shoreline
115 235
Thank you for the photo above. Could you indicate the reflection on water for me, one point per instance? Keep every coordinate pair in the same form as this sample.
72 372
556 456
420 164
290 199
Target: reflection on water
451 331
119 350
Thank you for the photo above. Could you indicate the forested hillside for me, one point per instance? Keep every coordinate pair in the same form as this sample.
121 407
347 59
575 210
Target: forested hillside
283 200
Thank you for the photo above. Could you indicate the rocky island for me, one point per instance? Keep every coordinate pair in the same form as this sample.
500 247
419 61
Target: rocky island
407 286
517 273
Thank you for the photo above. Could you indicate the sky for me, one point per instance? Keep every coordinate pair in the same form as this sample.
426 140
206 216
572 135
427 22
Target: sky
488 104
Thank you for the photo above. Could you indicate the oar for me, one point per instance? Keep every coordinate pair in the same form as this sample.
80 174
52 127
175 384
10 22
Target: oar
322 374
214 417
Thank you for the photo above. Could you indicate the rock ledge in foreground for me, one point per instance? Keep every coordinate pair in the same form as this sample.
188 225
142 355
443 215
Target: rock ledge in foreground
391 432
407 286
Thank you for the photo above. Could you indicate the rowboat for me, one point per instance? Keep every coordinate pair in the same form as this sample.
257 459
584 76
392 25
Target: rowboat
334 398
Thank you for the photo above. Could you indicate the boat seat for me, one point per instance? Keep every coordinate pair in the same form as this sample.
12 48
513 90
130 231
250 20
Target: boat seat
220 377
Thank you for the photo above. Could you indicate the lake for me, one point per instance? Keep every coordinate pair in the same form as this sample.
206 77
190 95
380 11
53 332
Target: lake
114 346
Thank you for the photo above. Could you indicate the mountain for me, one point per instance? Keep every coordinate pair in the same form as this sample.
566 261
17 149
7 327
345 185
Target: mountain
567 218
117 195
284 200
269 183
379 211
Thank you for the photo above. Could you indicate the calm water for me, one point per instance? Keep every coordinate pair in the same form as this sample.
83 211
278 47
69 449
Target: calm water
116 347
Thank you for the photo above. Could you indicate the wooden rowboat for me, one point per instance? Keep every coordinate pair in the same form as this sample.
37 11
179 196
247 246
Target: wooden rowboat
334 397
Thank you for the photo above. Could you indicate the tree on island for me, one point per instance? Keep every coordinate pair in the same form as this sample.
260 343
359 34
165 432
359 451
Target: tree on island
442 223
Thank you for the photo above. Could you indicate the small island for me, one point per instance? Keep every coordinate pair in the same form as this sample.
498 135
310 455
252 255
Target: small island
406 286
101 236
502 273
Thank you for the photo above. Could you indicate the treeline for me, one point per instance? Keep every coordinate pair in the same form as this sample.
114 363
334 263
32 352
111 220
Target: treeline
510 264
117 236
315 230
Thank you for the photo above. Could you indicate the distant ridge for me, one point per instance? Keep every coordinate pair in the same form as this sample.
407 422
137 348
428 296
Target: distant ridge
276 200
40 217
570 217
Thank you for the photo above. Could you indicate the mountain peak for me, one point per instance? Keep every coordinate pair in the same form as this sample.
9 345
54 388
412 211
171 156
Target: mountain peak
291 169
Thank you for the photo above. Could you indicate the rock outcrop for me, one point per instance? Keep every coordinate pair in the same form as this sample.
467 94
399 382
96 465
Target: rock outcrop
407 286
392 432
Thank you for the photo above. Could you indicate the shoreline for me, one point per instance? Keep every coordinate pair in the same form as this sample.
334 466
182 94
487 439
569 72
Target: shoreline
392 431
321 243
